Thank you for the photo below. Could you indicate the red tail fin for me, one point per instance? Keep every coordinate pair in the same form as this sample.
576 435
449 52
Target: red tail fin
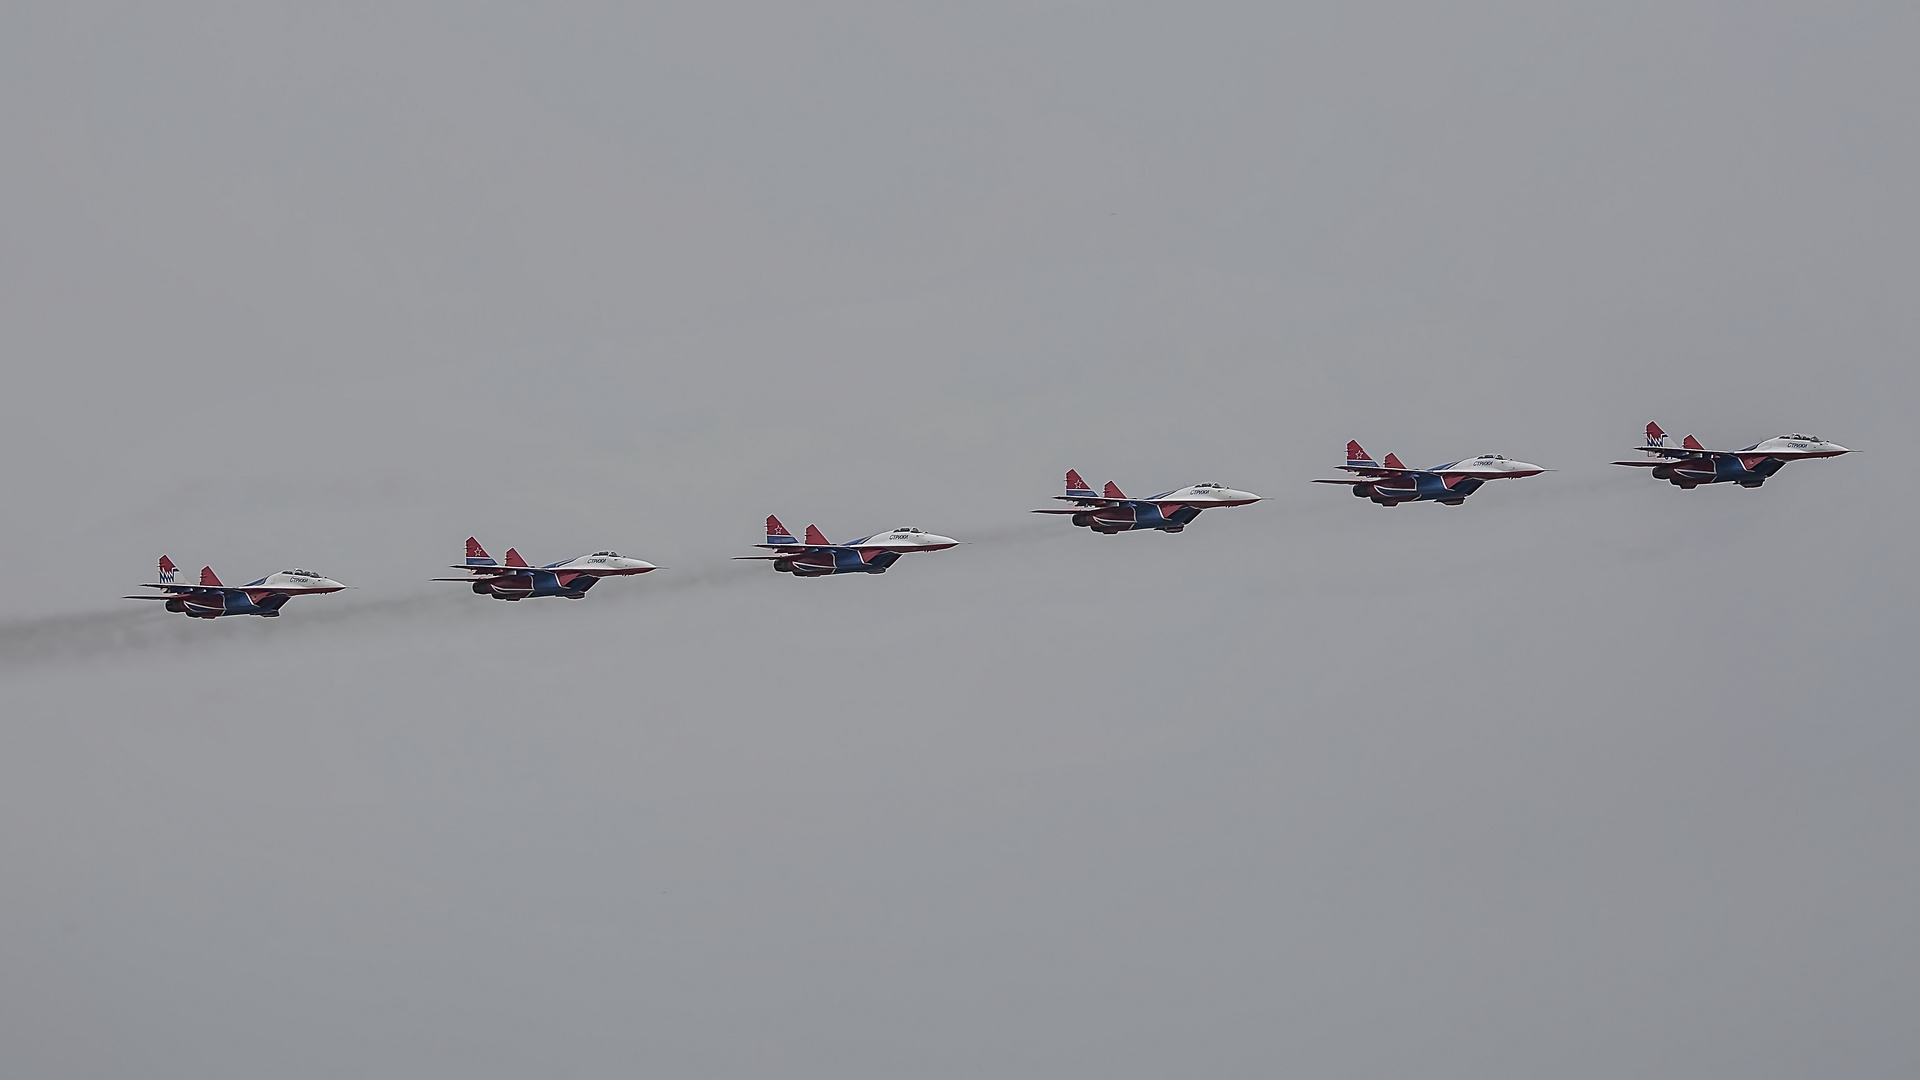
207 578
1357 454
514 559
1075 485
1113 491
1654 434
167 568
817 538
1691 443
1393 462
477 555
776 532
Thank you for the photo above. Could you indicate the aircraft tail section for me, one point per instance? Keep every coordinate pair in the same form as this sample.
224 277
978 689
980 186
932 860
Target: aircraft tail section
514 559
477 555
1113 491
777 533
1393 462
208 578
816 538
1358 456
167 569
1077 486
1655 437
1691 443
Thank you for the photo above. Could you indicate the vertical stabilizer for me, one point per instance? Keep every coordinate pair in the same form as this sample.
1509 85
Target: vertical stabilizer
777 533
1113 491
207 577
1077 486
514 559
1655 437
1357 455
817 538
477 555
1393 462
167 569
1691 443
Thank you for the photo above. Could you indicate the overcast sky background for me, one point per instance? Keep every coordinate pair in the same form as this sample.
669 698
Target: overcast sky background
1590 777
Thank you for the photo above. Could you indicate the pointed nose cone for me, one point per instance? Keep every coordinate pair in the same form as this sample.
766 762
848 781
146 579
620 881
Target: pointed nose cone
329 583
1525 468
1836 449
936 542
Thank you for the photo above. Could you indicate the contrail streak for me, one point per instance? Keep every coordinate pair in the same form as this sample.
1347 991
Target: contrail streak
102 635
92 636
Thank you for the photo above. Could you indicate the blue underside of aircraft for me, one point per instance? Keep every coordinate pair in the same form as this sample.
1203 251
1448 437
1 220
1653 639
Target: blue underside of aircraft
1143 515
814 563
536 583
213 603
1725 469
1424 487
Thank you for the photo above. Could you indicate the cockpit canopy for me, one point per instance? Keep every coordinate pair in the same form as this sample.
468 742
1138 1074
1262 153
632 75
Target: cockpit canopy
608 554
906 529
299 573
1493 457
1804 438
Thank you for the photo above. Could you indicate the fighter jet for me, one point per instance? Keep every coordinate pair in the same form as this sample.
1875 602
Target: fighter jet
1689 465
1170 511
210 599
514 579
819 557
1390 483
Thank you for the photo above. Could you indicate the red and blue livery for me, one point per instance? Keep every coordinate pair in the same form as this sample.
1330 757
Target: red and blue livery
514 579
816 556
1690 464
1110 511
210 599
1389 483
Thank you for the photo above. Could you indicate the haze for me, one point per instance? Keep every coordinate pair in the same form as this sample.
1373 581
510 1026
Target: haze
1589 777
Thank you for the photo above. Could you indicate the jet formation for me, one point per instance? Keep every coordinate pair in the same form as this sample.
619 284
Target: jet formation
1109 511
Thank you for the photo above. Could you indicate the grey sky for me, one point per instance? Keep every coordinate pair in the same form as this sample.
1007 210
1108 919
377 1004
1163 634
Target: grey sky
1589 777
